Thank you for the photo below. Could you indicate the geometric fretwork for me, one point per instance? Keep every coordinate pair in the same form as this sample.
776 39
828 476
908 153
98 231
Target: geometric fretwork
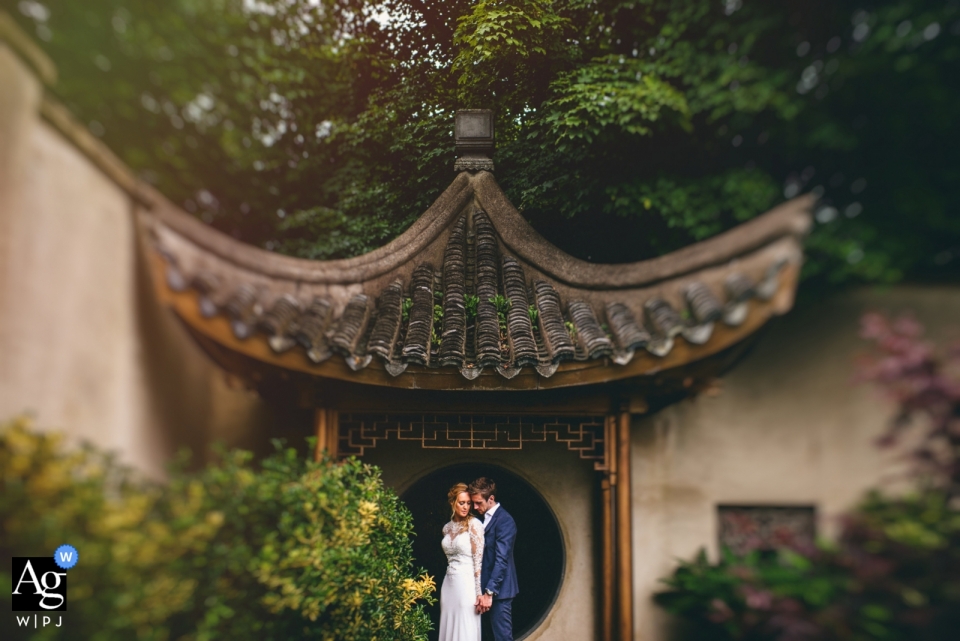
744 528
583 434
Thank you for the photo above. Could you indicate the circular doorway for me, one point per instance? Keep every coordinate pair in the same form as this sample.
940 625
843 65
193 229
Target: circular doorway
538 552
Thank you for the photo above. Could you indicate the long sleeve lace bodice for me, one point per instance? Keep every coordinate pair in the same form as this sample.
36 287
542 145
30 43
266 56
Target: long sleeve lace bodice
476 545
464 553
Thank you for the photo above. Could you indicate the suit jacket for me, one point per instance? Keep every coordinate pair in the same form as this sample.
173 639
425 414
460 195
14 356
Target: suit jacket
498 572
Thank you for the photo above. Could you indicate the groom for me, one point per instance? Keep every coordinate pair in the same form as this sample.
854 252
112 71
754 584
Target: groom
498 574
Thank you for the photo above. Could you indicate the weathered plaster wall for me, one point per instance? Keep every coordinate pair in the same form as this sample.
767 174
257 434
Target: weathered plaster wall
788 426
84 347
566 483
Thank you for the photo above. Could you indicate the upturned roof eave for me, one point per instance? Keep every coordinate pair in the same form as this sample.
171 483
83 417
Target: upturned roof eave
588 323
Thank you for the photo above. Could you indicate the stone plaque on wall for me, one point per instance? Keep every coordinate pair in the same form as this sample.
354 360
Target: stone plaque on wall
743 528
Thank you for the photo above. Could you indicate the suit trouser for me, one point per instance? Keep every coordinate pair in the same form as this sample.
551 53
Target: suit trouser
501 619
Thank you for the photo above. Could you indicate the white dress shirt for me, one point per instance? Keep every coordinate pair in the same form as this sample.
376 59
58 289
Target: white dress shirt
489 515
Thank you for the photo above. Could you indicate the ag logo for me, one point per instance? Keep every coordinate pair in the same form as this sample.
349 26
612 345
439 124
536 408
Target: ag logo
38 584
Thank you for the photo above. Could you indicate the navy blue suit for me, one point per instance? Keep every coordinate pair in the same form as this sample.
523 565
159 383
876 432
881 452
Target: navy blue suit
499 573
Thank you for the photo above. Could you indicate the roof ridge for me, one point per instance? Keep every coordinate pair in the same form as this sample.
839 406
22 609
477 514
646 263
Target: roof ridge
788 219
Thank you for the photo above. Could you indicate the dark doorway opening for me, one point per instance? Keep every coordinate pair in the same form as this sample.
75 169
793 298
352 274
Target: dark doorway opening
538 553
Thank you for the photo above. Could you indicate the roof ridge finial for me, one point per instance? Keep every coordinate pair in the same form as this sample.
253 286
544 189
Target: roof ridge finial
474 136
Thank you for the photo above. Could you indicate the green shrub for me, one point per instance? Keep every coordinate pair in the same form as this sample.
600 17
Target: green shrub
748 597
287 549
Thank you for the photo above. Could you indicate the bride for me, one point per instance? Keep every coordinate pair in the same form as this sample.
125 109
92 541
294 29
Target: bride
463 545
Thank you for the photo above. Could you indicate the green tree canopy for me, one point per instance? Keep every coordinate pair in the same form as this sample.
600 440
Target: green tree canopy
626 129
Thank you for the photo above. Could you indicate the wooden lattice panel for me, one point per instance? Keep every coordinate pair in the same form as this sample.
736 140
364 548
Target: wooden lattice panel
582 434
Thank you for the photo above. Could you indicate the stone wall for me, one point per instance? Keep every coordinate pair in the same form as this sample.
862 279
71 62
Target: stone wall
788 427
84 347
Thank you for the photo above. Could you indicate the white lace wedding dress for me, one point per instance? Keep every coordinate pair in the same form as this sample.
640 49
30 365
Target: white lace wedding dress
463 545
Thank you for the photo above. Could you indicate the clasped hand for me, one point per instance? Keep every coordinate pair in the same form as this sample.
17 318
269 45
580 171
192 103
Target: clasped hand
484 603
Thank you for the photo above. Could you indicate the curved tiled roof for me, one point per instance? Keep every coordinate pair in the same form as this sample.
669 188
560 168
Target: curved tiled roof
472 288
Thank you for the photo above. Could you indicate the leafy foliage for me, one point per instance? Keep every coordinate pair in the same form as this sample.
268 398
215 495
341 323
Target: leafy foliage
926 390
437 329
751 597
291 549
626 128
502 304
894 572
470 303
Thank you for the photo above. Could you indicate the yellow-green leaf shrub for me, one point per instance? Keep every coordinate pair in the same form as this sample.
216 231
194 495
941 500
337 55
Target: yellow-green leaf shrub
284 549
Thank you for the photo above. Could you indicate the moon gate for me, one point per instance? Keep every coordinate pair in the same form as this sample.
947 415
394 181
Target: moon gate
539 550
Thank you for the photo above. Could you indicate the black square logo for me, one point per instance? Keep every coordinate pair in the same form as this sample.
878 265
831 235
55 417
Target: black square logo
39 585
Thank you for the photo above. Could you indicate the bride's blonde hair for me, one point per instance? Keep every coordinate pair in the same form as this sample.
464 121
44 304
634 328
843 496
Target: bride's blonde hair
452 495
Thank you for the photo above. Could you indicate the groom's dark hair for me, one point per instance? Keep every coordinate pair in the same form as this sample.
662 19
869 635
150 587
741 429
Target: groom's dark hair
484 487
